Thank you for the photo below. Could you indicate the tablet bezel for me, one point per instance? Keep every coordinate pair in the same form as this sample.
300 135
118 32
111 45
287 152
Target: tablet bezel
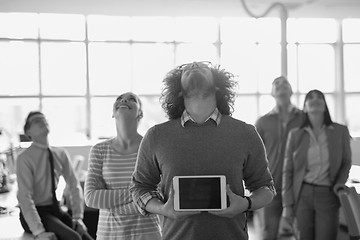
222 192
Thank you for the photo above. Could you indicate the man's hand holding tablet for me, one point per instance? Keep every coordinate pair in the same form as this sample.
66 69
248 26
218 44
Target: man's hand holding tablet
167 208
237 205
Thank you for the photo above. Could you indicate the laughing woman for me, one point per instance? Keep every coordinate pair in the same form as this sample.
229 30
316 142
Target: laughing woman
109 173
317 157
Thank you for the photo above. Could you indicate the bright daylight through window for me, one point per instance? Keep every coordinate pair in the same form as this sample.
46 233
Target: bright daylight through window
71 66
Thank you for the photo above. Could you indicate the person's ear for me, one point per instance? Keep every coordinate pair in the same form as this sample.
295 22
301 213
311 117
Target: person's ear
27 135
272 92
140 115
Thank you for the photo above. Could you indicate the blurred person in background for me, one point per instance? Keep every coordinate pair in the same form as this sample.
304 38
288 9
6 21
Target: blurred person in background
41 214
274 128
317 157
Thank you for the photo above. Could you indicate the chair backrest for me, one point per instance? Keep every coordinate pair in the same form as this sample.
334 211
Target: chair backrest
350 202
77 163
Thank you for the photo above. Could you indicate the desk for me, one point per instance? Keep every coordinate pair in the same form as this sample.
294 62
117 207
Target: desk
10 227
354 178
9 199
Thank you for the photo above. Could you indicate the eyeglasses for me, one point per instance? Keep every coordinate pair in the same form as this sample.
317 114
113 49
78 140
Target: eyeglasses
193 65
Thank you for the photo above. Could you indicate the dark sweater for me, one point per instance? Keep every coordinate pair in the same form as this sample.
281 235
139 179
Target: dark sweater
233 148
274 136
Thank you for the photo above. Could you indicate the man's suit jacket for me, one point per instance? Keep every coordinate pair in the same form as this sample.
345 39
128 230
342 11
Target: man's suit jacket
295 162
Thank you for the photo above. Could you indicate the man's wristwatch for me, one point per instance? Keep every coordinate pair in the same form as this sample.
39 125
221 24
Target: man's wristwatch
250 203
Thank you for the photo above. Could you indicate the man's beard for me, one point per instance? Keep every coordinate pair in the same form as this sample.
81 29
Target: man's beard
198 85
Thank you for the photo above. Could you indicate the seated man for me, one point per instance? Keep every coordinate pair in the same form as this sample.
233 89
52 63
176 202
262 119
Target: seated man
38 170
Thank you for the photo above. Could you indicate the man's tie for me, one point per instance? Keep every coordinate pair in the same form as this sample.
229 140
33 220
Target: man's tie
51 159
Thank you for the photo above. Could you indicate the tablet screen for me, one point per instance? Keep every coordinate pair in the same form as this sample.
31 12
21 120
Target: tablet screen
199 193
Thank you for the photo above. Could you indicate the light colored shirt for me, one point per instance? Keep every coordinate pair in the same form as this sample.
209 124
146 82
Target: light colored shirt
34 183
318 166
106 188
274 133
215 115
276 110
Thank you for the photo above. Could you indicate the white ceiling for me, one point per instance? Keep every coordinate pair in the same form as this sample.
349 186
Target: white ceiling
312 8
296 8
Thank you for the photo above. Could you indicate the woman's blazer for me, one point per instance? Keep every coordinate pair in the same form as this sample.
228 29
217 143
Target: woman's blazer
295 161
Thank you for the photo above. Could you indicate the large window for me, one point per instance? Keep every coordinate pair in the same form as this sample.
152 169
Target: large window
351 39
72 67
311 60
251 52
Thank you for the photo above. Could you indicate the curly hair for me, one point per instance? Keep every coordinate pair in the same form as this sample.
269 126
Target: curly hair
172 101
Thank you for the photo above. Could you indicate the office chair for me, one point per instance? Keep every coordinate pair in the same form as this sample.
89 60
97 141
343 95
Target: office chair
350 202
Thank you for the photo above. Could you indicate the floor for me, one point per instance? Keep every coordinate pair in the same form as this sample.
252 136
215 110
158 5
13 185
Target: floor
254 231
10 227
12 230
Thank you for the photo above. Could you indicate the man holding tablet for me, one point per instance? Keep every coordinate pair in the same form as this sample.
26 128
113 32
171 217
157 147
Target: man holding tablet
201 139
199 193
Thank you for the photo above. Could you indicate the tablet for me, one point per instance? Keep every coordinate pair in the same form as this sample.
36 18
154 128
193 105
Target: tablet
199 193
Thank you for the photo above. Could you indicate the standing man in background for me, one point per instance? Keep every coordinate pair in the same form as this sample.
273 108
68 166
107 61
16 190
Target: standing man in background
273 128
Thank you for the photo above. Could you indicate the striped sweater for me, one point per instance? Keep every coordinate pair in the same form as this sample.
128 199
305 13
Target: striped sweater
106 188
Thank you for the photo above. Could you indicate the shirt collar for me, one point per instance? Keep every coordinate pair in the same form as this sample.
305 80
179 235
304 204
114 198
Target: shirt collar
324 127
290 108
215 116
39 145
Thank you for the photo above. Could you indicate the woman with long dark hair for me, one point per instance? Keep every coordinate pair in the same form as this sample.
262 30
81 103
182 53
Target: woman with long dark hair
317 157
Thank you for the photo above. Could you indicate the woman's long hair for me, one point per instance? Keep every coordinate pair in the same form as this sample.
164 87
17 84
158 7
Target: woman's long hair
172 100
327 117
